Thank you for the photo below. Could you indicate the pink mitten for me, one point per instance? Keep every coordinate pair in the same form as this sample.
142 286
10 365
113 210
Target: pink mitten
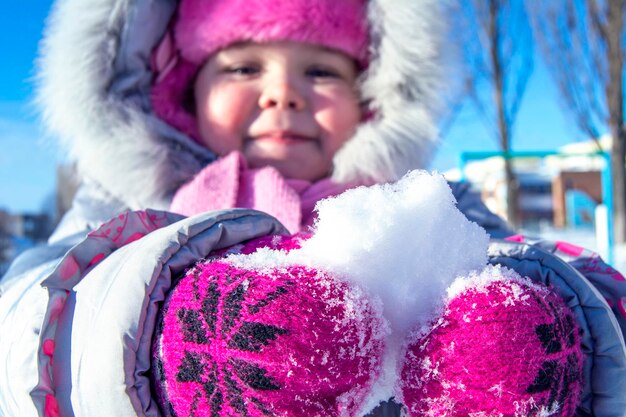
504 347
280 341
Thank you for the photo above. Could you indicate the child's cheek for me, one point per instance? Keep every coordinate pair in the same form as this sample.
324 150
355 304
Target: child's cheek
339 117
224 115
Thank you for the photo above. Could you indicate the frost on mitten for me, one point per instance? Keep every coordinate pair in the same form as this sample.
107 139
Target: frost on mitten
288 341
504 347
284 243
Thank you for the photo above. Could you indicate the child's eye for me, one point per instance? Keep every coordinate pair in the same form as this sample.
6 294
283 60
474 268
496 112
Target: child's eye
243 70
317 72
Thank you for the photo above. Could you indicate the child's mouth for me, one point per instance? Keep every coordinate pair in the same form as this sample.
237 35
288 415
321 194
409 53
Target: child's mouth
283 138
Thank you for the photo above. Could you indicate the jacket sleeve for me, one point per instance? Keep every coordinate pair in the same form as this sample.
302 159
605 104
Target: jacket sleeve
99 302
471 205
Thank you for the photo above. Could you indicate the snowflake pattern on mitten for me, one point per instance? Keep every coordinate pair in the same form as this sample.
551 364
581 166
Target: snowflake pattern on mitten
282 342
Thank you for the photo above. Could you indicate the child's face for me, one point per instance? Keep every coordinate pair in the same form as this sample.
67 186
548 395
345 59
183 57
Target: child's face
284 104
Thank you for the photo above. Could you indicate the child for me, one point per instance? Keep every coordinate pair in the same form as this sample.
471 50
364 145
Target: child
124 104
194 106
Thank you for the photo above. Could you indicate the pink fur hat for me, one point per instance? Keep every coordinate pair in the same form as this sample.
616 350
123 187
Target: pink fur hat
203 27
206 26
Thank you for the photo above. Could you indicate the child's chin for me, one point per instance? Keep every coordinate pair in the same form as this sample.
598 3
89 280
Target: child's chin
294 168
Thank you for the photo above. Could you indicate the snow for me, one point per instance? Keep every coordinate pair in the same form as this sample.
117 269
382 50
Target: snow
479 281
402 243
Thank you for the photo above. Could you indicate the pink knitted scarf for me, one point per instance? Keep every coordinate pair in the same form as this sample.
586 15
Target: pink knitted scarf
229 183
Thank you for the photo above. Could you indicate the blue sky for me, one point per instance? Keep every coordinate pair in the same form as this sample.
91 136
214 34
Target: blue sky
27 164
541 124
28 160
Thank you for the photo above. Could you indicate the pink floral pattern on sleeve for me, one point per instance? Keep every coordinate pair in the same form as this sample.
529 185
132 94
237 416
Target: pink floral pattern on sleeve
621 307
569 248
51 407
516 238
97 246
596 265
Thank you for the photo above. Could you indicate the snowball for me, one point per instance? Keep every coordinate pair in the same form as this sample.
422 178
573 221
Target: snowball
404 242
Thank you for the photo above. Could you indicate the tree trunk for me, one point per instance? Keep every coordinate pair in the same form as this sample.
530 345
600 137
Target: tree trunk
615 100
503 121
512 194
618 176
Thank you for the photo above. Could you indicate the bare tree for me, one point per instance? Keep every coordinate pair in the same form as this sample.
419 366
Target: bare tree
497 59
5 237
583 44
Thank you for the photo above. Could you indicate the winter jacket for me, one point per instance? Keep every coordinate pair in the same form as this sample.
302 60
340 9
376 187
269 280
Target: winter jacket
94 290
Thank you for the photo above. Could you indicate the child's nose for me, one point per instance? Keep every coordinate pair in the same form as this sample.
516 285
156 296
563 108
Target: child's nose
282 95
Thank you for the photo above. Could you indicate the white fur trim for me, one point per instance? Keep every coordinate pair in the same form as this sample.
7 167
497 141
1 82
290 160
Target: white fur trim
401 86
114 139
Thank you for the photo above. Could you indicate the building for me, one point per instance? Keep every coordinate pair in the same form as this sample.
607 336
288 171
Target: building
575 195
19 232
556 188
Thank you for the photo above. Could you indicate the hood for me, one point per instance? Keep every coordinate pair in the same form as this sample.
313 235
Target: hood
94 83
